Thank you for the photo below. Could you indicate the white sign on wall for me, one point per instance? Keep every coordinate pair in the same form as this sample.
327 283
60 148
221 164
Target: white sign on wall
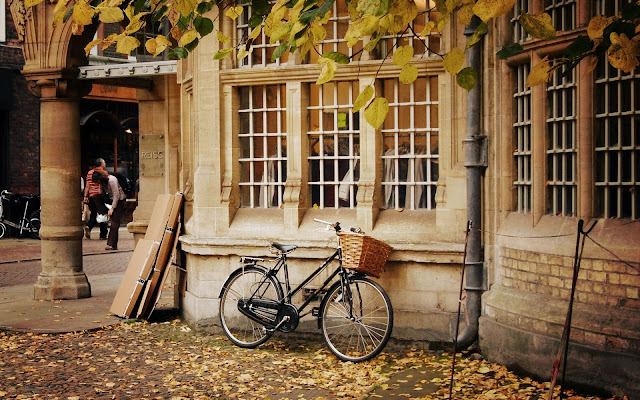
3 21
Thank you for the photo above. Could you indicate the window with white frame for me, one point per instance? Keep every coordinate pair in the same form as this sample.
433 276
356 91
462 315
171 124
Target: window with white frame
617 143
262 140
561 143
334 144
410 137
522 140
519 34
562 12
262 50
336 27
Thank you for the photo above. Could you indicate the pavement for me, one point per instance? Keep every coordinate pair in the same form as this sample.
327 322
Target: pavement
19 269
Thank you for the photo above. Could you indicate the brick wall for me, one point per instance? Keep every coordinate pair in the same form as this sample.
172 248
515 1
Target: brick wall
24 121
600 282
602 285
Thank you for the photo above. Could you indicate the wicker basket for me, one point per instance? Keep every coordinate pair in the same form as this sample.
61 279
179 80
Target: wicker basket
364 253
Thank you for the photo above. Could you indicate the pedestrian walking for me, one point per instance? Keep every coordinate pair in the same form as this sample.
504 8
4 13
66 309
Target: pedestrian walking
113 195
91 189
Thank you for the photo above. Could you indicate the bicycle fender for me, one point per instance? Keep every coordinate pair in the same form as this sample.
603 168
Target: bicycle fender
239 271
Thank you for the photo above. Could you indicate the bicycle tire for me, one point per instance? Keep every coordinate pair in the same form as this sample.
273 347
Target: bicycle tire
240 329
362 334
34 225
3 230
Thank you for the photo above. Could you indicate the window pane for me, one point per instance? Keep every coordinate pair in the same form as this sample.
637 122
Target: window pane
561 144
522 140
410 160
263 158
617 141
334 145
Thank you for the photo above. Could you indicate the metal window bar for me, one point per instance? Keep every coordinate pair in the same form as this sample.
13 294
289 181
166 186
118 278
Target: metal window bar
561 144
617 142
519 34
563 13
610 7
262 50
263 146
410 150
334 145
336 28
522 140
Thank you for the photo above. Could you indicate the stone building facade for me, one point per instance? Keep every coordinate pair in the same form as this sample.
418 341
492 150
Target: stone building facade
259 151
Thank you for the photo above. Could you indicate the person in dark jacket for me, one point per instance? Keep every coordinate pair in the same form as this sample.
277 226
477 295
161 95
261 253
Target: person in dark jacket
111 194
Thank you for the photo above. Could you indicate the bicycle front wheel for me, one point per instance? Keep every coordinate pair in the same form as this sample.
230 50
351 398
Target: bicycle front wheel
34 225
247 283
356 321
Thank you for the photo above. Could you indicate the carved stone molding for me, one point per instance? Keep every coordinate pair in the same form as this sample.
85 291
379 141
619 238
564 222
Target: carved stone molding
20 14
59 88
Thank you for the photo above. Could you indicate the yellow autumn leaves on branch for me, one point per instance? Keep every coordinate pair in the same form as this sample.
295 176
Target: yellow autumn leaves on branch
299 26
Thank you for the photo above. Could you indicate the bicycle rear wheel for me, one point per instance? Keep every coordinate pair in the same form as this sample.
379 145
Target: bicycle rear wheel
356 322
245 283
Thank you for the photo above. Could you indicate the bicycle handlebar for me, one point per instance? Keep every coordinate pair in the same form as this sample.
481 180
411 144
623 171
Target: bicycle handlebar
336 226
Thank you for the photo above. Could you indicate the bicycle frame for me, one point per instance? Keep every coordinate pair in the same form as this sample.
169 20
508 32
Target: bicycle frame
288 296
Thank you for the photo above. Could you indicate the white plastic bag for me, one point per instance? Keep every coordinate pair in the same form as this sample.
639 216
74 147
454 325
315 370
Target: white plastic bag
101 218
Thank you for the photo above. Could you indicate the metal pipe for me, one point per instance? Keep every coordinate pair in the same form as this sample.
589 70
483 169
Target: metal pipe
473 147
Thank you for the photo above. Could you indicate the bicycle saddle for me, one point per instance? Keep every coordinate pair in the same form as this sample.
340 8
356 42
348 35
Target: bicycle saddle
284 248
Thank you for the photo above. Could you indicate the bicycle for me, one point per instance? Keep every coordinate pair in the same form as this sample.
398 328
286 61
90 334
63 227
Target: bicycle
355 314
30 225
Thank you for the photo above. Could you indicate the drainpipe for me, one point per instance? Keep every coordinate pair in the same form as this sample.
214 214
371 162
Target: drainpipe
475 163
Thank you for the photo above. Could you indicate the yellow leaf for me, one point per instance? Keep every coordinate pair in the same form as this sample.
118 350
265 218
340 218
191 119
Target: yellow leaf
31 3
328 70
484 370
465 14
487 9
623 52
376 112
91 45
363 98
596 26
127 44
59 11
185 7
454 61
83 13
188 37
539 26
157 45
110 15
254 33
76 28
243 52
402 55
280 32
135 23
428 28
318 33
109 40
408 74
176 33
363 26
540 73
234 12
224 38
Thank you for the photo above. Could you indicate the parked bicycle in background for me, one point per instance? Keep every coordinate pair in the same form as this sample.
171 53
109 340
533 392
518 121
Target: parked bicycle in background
20 212
355 314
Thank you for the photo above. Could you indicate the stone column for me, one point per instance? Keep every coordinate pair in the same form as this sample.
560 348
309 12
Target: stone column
61 233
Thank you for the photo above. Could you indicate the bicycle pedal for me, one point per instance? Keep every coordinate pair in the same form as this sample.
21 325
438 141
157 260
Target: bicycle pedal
315 311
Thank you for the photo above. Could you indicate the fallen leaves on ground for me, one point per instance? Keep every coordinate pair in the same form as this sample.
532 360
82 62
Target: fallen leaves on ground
169 361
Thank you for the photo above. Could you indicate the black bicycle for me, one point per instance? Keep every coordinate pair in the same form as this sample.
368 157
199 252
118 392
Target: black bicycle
355 314
13 214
